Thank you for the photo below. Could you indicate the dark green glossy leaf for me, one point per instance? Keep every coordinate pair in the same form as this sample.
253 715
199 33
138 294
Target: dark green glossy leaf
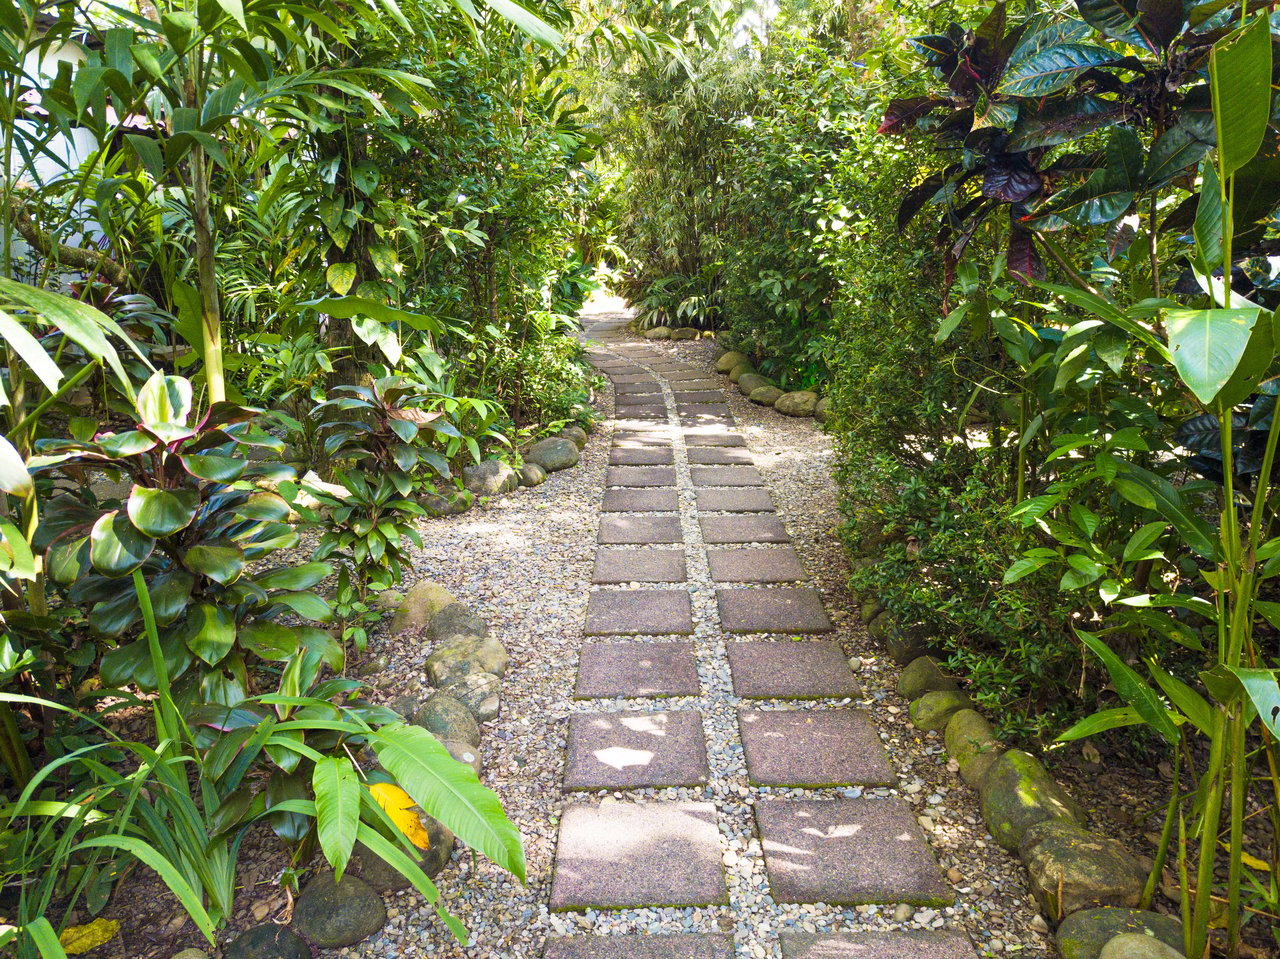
222 564
210 632
300 577
162 512
270 641
1050 69
219 469
116 548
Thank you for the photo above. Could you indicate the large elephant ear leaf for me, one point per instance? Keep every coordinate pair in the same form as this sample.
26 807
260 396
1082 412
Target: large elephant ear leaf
116 546
449 791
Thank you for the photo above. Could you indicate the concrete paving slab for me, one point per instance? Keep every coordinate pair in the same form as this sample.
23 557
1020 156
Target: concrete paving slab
782 609
809 669
639 612
607 670
636 750
813 748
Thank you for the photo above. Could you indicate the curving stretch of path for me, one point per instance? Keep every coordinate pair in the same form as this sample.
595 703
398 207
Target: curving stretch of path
704 653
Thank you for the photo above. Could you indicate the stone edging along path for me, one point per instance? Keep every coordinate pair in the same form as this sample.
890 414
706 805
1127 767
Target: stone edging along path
680 682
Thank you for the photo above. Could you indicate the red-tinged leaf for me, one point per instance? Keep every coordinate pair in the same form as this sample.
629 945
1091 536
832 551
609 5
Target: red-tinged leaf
901 114
1022 256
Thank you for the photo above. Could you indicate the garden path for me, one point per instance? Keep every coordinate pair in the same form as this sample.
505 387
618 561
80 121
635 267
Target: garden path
646 822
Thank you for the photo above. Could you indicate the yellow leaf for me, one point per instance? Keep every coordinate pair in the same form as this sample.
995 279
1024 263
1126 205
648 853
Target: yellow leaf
77 940
1253 862
403 812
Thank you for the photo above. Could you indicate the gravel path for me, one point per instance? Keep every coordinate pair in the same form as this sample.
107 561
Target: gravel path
524 563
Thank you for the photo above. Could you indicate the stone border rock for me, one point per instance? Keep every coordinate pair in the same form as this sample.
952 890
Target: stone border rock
466 666
1085 883
761 391
495 477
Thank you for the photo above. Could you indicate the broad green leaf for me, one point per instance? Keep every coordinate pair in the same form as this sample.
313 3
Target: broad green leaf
217 469
235 10
161 512
1208 345
1211 225
1240 80
210 632
303 576
1262 687
1022 568
337 790
1049 69
450 792
28 348
1132 688
1192 705
1146 489
340 276
529 23
306 604
222 564
45 939
375 333
116 548
1101 721
270 641
1136 549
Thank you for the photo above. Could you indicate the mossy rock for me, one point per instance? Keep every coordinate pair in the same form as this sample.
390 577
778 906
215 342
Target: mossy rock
1137 945
821 408
765 395
972 743
906 643
576 435
267 941
456 619
923 675
465 656
738 371
685 333
334 914
1084 934
932 711
445 718
1071 869
421 604
748 382
729 360
797 403
531 474
658 333
1018 793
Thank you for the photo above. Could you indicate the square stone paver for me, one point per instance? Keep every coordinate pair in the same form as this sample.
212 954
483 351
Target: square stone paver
785 609
898 944
709 420
640 417
684 396
725 476
649 456
689 382
743 529
639 946
639 566
633 530
624 855
719 456
638 376
812 669
636 670
813 747
640 476
641 501
635 439
711 436
639 612
636 750
652 388
743 499
848 852
774 564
